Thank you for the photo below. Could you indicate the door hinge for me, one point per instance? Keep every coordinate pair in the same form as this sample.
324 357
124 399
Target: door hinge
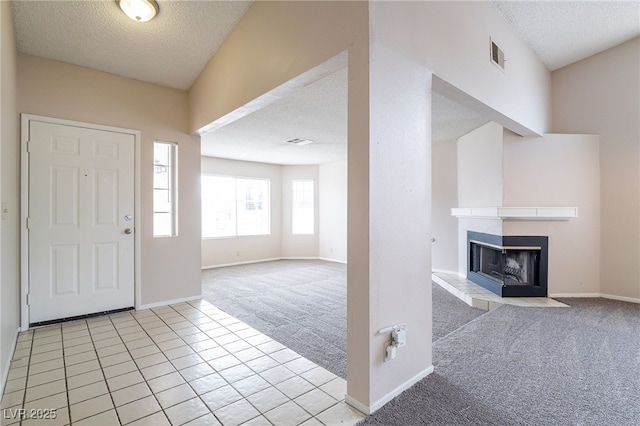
28 146
28 301
28 223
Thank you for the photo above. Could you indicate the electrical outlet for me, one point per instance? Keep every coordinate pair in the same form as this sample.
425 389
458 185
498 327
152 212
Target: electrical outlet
389 351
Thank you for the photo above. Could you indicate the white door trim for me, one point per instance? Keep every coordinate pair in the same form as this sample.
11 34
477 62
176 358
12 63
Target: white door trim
24 204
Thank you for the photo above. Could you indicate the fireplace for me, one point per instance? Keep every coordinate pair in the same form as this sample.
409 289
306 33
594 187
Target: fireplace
509 266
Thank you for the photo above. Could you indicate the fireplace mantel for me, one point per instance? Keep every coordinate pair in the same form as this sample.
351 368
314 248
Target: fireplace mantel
516 213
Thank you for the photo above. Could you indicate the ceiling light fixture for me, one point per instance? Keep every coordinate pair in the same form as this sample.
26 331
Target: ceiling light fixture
139 10
299 141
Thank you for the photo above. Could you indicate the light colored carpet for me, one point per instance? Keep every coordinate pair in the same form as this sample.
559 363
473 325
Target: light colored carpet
302 304
531 366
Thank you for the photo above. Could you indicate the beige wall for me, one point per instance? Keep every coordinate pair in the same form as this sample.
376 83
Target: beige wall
332 194
223 251
444 187
558 171
258 55
10 194
298 245
170 267
601 95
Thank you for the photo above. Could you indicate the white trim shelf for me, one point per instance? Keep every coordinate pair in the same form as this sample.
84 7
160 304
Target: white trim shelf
516 213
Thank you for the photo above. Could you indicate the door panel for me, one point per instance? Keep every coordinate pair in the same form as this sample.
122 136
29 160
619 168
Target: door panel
80 191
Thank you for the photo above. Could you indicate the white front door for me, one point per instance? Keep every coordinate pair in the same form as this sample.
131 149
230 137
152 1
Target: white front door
80 226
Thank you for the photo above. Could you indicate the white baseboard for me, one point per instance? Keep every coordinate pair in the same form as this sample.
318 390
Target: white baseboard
389 396
596 295
326 259
5 371
247 262
168 302
300 258
569 295
443 271
621 298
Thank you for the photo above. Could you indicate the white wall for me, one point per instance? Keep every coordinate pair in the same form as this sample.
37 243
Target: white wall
451 39
558 171
444 181
223 251
332 191
601 95
480 167
10 194
298 245
170 267
480 179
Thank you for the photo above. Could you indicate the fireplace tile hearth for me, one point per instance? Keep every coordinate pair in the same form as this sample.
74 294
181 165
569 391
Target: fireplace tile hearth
478 297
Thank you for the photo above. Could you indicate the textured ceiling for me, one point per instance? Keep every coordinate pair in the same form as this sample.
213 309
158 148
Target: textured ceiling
170 50
564 32
317 112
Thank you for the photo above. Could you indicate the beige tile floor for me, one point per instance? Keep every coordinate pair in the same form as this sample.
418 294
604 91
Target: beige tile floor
479 297
188 363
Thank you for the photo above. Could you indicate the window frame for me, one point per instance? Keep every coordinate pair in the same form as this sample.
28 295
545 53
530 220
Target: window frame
172 189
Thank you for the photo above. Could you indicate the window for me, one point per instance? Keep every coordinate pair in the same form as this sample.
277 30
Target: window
303 218
164 189
233 206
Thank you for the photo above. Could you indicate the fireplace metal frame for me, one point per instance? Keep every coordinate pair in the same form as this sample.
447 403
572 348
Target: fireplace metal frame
541 243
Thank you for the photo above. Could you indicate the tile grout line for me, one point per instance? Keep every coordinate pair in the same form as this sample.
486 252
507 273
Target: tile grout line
195 317
273 385
260 414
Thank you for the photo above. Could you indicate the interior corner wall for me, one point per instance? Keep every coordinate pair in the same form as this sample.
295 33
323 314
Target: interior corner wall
10 193
298 246
170 267
225 251
558 170
601 95
332 195
480 177
444 178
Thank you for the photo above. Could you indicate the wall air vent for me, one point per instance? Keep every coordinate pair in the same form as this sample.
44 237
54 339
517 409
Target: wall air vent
298 141
497 55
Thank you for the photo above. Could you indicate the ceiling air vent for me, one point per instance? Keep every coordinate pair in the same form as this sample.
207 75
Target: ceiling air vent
299 142
497 55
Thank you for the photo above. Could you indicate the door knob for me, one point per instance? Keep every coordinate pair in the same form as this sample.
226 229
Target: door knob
128 231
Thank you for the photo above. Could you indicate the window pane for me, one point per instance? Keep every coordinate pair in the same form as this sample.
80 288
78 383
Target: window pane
234 206
218 206
253 207
162 225
303 208
161 153
164 189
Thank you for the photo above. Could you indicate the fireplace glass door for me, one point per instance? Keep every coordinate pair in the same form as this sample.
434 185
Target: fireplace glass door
507 266
511 266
